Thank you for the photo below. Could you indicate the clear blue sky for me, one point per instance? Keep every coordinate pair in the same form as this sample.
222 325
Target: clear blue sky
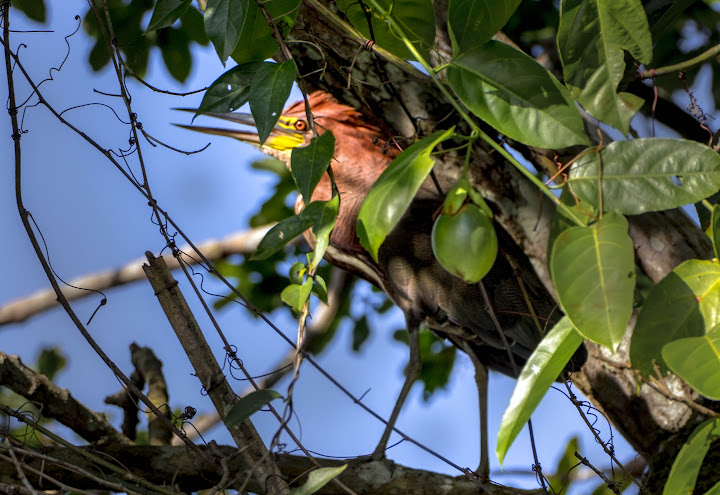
92 219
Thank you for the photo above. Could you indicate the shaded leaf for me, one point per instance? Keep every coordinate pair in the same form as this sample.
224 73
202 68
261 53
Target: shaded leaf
257 42
697 361
715 225
223 24
320 289
175 49
166 13
245 407
415 17
591 38
539 373
361 332
323 223
394 190
34 9
517 96
593 270
647 174
309 163
683 304
50 361
317 479
230 91
269 91
686 467
474 22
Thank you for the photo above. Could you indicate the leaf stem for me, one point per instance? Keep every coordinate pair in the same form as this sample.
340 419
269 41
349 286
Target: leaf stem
681 66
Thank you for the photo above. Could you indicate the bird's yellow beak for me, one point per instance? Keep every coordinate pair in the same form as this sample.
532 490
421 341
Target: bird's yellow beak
288 133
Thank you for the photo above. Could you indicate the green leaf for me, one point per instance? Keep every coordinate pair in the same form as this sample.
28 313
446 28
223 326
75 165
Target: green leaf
474 22
715 224
309 163
593 270
683 304
245 407
166 13
660 21
697 361
320 289
296 295
361 332
415 17
317 479
257 42
686 467
394 190
34 9
50 361
517 96
230 91
297 271
323 223
223 23
176 53
648 174
540 372
269 91
591 38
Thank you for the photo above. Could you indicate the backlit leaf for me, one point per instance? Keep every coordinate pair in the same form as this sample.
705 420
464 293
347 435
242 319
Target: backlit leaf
317 479
647 174
245 407
683 304
697 361
394 190
517 96
541 370
296 295
593 270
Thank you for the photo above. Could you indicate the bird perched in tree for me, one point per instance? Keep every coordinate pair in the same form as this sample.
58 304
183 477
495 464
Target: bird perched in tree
406 268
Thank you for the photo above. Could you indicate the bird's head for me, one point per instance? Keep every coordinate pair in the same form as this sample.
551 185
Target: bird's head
292 129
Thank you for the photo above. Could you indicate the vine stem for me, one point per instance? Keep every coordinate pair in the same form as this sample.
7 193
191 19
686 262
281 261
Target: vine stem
680 66
476 131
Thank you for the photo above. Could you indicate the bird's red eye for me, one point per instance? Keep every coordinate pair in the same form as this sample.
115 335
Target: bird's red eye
300 125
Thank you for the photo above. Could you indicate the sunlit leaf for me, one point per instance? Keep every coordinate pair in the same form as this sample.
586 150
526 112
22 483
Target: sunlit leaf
686 467
415 17
323 223
394 190
245 407
317 479
474 22
593 270
296 295
309 163
683 304
320 289
269 91
517 96
592 36
648 174
166 13
223 23
697 361
541 370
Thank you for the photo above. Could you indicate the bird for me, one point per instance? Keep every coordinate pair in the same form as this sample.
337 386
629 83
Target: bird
406 269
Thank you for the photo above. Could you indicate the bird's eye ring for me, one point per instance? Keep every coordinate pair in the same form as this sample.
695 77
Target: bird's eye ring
300 125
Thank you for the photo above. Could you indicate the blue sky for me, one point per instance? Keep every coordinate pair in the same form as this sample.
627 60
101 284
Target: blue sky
93 219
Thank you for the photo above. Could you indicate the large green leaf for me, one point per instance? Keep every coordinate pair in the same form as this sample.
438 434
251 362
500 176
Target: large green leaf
323 223
593 270
230 91
269 91
308 164
591 38
317 479
415 17
223 23
287 230
34 9
166 13
392 193
686 467
541 370
683 304
648 174
517 96
474 22
257 42
697 361
252 402
296 295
